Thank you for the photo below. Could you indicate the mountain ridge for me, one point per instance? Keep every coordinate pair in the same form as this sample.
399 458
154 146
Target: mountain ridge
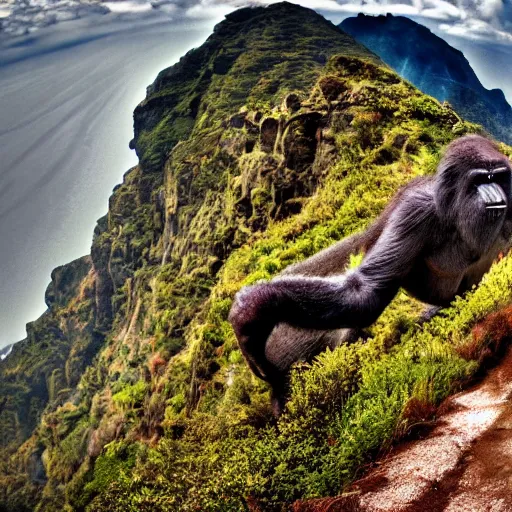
435 67
143 210
144 400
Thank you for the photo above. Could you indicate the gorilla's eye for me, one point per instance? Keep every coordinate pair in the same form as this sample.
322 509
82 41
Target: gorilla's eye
479 177
500 175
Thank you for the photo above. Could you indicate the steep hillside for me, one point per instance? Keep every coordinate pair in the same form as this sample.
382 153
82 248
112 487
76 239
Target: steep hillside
44 371
435 67
255 152
251 59
47 366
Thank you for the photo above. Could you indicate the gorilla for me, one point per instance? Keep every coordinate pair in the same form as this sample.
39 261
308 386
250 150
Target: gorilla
436 238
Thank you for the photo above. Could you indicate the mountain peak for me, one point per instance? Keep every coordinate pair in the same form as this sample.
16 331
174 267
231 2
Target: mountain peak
435 67
246 13
399 24
256 55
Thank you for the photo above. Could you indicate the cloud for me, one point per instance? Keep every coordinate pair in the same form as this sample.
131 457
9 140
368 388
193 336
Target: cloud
488 20
478 30
474 19
376 8
440 10
208 10
127 6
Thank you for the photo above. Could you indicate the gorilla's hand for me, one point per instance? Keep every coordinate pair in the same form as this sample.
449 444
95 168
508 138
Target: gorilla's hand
254 313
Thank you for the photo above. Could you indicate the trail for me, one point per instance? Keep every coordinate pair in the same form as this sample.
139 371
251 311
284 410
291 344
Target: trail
464 464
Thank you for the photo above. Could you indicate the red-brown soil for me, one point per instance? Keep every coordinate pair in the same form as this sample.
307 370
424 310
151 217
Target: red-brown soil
463 465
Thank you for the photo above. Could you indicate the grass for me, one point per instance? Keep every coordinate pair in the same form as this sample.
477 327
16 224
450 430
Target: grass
167 415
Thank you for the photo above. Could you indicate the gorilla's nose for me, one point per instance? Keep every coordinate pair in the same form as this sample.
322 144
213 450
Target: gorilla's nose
493 196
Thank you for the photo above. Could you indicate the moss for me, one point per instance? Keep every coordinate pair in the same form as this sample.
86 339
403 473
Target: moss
255 62
65 460
167 415
130 397
114 465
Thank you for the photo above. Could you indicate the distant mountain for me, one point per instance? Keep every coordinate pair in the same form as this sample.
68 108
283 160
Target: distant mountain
433 66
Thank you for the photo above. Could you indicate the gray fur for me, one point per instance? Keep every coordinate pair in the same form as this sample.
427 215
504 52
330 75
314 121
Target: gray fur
436 238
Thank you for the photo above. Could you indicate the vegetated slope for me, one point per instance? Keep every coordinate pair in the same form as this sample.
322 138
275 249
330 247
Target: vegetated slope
277 159
435 67
464 454
44 369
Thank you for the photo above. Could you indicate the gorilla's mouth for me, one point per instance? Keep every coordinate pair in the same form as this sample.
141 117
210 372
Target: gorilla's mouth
493 196
493 187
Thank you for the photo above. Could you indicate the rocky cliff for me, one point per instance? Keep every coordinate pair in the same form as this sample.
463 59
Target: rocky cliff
435 67
277 137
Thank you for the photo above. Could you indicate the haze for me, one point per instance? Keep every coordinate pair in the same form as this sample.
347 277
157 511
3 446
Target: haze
65 124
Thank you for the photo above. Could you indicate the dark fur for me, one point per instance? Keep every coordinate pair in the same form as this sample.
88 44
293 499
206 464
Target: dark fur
436 238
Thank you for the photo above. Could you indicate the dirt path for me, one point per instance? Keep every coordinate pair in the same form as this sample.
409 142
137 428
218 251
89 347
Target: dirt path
463 465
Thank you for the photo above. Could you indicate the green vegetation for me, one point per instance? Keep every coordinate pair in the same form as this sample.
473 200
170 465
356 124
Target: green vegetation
252 58
430 63
166 415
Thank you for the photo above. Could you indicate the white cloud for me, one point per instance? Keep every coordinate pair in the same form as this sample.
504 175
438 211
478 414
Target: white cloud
380 8
322 5
440 10
123 7
478 30
209 10
489 20
473 19
489 9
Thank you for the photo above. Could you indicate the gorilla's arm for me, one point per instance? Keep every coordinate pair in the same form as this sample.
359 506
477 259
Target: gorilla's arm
330 261
352 300
334 259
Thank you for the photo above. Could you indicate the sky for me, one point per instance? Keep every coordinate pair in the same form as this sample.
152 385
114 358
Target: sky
67 93
475 19
66 107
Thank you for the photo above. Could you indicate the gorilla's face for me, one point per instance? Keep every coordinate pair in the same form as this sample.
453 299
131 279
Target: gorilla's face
473 190
492 189
484 202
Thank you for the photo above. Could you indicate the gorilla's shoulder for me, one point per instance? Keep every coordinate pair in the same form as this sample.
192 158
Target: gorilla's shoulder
416 204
